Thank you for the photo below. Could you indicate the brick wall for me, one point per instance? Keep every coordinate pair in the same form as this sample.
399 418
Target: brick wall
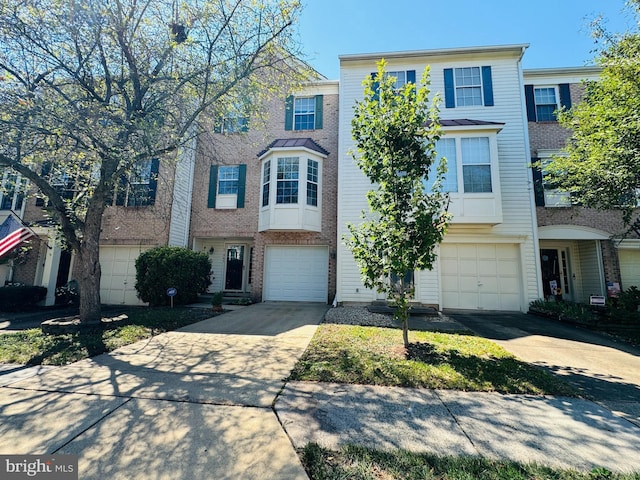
242 223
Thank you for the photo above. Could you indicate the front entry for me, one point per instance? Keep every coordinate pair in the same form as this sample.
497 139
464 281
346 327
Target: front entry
555 274
234 270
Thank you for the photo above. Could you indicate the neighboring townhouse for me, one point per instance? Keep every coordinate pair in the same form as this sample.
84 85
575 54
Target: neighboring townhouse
142 212
489 257
582 252
264 199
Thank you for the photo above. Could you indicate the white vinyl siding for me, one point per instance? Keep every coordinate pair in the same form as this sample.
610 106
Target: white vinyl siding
516 219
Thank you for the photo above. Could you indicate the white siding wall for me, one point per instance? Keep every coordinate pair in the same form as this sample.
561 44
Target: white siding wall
590 269
518 222
182 194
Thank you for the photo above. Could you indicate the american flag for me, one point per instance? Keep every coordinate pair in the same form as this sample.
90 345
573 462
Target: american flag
12 234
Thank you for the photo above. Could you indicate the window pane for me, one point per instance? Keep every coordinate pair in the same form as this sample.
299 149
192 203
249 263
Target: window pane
475 150
469 96
401 79
287 191
445 147
477 178
545 95
467 76
228 180
288 168
312 171
304 113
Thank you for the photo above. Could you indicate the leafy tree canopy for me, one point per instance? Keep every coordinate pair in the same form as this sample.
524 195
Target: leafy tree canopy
602 165
92 88
395 133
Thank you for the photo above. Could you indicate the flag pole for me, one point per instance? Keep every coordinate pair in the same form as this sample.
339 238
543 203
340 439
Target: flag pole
30 229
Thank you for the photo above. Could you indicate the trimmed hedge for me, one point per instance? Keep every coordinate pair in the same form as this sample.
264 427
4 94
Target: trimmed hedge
163 267
20 297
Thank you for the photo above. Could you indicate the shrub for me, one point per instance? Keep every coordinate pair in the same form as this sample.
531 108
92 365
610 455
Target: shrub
20 297
625 307
163 267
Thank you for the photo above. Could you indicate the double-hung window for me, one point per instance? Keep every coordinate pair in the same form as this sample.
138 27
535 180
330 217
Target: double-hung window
543 101
303 113
287 180
228 180
312 183
266 182
468 87
546 103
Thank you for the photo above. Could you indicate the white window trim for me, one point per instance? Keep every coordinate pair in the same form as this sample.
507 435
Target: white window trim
20 190
553 197
312 98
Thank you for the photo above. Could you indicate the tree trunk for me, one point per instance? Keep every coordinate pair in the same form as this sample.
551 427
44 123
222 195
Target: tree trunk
89 271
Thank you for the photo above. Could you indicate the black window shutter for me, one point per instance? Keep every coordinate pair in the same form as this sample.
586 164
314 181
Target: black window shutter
375 86
213 186
487 86
531 103
319 105
153 181
449 89
242 178
288 113
538 187
565 95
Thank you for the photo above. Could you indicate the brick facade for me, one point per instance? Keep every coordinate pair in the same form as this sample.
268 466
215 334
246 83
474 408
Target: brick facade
242 223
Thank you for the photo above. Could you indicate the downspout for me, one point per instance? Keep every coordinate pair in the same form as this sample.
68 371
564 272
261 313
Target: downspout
532 201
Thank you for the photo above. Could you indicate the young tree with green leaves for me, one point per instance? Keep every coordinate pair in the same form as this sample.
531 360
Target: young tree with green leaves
93 89
602 165
395 132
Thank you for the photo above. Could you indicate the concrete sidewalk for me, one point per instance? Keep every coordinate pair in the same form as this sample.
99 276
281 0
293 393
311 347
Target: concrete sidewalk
208 401
558 431
194 403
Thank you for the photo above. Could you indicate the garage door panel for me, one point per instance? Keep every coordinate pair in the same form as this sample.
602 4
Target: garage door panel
629 268
488 276
117 284
296 273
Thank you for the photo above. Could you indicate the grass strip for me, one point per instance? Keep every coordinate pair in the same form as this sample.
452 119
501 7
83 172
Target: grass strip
376 356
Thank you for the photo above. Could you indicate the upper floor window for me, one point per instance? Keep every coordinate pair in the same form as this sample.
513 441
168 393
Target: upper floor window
12 189
228 180
468 86
233 123
546 193
139 188
304 113
544 101
226 186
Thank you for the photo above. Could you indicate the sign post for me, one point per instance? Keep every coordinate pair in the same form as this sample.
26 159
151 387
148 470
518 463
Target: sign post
171 292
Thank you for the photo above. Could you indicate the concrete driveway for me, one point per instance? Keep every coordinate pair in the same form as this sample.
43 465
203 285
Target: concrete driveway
606 370
194 403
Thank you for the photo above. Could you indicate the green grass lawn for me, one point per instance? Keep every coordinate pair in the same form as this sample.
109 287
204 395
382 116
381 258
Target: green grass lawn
361 463
376 356
32 347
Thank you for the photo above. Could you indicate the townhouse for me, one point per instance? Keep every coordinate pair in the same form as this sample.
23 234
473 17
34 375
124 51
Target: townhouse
268 196
582 250
488 258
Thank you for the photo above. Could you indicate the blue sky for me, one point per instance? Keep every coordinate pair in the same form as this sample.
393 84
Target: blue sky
557 31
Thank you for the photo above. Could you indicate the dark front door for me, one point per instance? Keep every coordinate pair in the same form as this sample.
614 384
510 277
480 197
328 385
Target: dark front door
555 273
234 269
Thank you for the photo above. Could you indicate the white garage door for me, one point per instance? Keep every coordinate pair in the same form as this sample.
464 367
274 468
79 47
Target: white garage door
480 277
117 285
296 274
629 267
